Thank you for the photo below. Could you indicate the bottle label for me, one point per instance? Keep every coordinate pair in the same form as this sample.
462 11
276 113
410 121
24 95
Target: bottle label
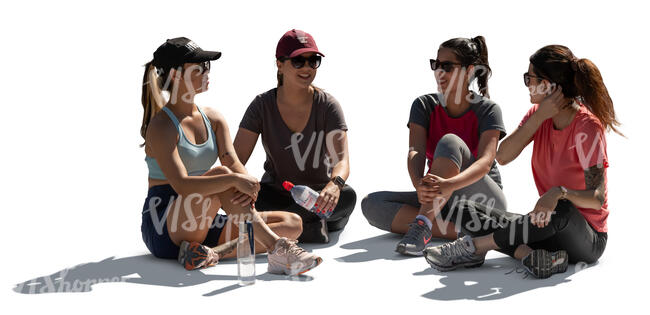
309 199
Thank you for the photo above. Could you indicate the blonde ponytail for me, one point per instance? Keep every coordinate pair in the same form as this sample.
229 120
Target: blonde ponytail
152 98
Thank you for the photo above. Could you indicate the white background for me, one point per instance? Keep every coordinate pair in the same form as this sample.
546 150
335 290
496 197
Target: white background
74 177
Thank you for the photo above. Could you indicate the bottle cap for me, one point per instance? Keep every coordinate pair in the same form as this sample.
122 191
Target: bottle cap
287 185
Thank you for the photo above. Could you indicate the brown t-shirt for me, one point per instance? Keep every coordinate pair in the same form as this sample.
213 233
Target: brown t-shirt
300 157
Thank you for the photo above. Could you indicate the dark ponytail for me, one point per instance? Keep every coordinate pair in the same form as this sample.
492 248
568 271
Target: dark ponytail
579 78
589 84
473 52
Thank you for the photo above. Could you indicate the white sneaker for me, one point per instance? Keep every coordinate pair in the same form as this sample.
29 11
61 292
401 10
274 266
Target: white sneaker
289 259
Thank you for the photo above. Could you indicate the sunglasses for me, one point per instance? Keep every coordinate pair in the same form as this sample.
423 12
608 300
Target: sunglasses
205 66
527 77
446 66
299 61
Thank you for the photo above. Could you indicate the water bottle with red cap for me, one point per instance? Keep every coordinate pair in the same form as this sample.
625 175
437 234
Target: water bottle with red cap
306 198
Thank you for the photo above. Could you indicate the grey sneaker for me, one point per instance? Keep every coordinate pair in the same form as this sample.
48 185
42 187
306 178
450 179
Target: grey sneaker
543 264
449 256
415 239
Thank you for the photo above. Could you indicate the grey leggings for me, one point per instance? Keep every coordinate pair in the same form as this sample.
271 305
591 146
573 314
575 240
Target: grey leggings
380 208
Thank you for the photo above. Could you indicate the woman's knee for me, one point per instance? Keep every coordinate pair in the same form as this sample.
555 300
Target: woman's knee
452 147
347 200
293 222
374 211
368 205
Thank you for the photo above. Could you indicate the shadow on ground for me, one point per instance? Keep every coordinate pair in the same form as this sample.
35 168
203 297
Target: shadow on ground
376 248
143 269
498 278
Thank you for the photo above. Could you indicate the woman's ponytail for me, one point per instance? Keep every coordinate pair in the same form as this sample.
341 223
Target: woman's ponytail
482 68
152 99
590 86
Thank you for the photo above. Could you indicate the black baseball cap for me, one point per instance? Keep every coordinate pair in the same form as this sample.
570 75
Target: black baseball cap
177 51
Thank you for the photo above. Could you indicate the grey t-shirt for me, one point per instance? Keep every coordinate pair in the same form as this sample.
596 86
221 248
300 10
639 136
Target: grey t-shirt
483 114
302 157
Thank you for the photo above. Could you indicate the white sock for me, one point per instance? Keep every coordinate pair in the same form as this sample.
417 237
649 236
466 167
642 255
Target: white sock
425 219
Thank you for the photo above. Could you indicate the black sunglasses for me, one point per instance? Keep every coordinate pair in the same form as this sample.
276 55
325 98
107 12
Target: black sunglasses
205 66
527 77
299 61
446 66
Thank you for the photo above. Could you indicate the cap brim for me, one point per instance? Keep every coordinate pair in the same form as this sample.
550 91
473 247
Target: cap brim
304 50
204 55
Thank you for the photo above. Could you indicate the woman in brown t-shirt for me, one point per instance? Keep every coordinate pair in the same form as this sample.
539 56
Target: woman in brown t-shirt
304 135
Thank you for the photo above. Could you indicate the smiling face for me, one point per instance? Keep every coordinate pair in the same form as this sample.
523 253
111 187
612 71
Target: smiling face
448 82
291 76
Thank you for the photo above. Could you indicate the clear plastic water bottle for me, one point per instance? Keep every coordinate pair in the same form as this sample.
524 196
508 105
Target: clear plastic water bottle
246 254
306 198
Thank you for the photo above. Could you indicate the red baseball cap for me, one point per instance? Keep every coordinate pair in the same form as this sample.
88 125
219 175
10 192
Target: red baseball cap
294 43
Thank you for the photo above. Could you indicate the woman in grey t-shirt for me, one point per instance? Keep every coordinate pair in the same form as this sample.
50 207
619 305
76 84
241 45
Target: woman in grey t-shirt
454 135
304 135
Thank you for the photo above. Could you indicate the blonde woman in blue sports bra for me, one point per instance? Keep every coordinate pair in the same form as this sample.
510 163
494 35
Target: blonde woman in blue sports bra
182 142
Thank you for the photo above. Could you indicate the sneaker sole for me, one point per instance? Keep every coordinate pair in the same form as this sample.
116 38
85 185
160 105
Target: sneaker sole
402 250
444 268
192 255
543 264
286 270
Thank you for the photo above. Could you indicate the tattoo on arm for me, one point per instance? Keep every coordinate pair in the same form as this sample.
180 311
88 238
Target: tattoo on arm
595 180
224 155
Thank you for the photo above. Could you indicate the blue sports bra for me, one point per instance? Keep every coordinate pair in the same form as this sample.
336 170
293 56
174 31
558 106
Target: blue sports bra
197 158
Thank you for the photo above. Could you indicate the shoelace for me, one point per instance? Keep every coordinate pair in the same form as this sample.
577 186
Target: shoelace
294 249
453 249
413 234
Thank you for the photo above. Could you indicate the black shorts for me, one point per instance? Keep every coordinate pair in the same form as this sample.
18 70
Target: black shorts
154 223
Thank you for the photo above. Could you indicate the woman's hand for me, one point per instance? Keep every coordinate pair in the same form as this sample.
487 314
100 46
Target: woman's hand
425 192
553 103
247 185
241 198
541 215
328 199
441 186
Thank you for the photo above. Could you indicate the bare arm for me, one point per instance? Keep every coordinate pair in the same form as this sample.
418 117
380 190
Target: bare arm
417 153
161 139
227 154
337 149
487 148
245 141
338 152
512 145
593 197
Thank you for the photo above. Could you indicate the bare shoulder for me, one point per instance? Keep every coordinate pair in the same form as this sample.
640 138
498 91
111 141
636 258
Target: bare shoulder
216 118
161 131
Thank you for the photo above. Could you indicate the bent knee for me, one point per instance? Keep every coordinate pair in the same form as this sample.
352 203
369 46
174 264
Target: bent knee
294 223
366 205
375 213
452 147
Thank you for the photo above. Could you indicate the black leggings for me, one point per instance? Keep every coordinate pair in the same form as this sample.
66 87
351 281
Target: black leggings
272 199
567 230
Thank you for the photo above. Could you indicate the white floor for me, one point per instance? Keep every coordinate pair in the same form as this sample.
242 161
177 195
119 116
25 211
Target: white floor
360 271
74 179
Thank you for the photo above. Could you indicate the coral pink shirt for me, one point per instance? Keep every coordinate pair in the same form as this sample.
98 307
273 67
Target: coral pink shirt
560 158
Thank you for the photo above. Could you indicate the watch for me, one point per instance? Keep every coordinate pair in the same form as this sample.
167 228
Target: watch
339 181
564 192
